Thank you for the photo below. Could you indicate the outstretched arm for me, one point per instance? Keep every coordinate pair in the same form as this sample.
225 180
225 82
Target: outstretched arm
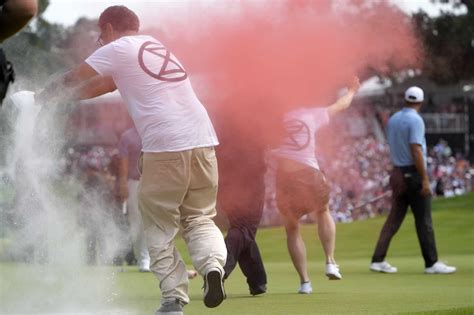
81 83
97 86
345 101
14 15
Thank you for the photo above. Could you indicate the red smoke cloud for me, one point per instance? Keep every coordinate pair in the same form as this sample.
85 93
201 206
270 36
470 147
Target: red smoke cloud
261 58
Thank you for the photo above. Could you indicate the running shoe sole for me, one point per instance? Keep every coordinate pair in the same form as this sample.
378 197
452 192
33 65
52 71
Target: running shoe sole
214 294
332 276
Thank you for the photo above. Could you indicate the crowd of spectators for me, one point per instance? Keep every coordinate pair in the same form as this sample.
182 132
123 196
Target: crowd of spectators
359 178
357 169
450 175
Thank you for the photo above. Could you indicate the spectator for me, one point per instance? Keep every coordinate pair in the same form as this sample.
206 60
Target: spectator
130 146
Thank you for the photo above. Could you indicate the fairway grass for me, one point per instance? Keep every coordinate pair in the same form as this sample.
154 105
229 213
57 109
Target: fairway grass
409 291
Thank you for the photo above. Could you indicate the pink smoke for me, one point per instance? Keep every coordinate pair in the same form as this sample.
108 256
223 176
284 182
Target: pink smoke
261 58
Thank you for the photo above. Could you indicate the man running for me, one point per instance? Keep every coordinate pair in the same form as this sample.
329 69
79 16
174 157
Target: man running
178 185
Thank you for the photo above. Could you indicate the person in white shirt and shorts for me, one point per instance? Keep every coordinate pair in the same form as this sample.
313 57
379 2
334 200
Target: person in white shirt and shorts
301 187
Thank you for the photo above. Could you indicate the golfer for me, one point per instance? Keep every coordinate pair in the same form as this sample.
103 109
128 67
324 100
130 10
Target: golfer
410 186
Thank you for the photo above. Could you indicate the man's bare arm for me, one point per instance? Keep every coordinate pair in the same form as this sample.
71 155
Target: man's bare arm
83 82
345 101
417 154
78 75
15 15
96 86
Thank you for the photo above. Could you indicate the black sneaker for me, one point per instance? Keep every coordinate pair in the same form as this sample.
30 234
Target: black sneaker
258 290
170 308
214 292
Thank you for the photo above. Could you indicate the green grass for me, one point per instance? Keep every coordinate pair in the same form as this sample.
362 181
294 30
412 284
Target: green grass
360 292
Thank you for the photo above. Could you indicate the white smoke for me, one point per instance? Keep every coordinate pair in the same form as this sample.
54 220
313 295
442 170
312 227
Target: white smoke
46 240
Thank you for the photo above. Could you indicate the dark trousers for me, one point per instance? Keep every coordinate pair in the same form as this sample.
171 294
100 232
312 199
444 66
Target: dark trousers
242 248
406 186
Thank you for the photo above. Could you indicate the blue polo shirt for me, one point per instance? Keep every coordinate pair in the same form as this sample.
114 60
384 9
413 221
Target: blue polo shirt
404 128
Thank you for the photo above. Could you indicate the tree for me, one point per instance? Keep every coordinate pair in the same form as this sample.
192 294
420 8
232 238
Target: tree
30 51
449 43
43 49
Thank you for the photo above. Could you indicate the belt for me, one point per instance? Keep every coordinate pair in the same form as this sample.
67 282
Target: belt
407 171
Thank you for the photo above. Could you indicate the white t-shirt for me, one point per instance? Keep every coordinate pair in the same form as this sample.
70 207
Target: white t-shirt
299 143
159 96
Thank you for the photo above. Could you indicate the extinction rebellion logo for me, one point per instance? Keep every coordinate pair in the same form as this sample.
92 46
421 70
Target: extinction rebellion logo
298 136
152 54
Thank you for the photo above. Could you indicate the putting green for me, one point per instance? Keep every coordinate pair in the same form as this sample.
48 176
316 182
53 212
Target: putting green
24 289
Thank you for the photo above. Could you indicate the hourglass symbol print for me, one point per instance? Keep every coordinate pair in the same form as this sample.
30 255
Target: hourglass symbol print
151 53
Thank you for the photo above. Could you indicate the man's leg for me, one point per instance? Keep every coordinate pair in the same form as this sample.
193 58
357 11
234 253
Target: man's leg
163 186
247 217
234 241
421 207
296 247
203 238
396 216
136 227
251 264
327 234
391 226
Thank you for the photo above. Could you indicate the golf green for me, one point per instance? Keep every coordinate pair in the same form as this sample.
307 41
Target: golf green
34 289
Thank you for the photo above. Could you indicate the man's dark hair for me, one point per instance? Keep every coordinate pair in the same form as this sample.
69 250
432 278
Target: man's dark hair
121 18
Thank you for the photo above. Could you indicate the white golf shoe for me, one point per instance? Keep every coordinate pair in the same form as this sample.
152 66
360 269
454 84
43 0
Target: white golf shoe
440 268
383 266
305 288
332 272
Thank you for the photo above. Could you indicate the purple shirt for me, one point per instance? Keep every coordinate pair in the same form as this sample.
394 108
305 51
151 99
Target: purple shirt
130 147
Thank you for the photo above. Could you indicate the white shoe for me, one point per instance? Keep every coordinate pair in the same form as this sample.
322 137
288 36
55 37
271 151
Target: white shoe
440 268
332 272
144 266
383 266
305 288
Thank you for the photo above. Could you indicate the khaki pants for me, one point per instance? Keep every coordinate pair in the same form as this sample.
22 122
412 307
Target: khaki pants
179 189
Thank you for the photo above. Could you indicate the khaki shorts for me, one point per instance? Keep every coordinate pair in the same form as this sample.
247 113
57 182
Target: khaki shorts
301 192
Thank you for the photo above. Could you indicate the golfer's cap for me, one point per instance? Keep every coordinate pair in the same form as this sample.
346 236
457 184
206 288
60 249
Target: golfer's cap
414 95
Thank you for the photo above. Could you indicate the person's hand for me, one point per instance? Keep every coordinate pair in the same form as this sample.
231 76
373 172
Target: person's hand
354 85
192 274
122 192
41 97
47 95
425 188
